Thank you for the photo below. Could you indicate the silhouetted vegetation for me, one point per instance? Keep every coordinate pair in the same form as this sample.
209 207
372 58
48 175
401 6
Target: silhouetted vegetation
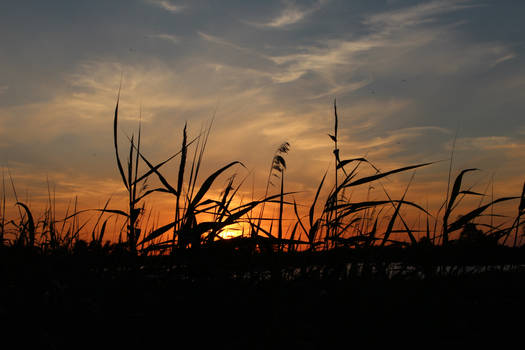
349 270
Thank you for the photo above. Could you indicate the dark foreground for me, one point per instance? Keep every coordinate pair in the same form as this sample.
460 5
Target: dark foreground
121 302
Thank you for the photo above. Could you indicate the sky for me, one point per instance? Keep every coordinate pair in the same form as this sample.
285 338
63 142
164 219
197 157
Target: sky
409 78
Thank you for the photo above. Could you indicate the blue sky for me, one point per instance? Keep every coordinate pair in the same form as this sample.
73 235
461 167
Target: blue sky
407 75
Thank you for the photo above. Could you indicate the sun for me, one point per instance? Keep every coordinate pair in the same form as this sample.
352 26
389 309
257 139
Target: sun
230 232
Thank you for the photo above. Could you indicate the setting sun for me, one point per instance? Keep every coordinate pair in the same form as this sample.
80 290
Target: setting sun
230 233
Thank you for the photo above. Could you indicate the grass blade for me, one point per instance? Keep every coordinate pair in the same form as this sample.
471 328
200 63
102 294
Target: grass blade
456 225
30 224
208 182
115 124
381 175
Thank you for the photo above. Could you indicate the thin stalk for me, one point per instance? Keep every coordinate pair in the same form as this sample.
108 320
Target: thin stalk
281 205
336 156
444 239
2 227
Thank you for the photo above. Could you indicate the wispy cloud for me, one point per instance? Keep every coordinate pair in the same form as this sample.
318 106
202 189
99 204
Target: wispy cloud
486 143
167 5
396 136
504 58
417 14
332 56
169 37
3 89
291 14
222 42
217 40
337 60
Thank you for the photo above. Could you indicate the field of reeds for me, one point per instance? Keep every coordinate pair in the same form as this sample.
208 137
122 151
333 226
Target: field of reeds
340 270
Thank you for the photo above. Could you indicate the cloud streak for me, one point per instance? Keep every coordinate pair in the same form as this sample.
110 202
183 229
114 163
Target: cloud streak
393 38
169 37
291 14
416 15
167 5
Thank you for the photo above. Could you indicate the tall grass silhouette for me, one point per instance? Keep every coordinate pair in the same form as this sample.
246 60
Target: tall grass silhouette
342 268
330 223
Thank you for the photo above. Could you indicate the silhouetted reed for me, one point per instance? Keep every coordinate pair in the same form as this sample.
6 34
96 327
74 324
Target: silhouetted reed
346 272
336 228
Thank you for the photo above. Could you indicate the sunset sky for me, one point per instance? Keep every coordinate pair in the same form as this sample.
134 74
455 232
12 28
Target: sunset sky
407 76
